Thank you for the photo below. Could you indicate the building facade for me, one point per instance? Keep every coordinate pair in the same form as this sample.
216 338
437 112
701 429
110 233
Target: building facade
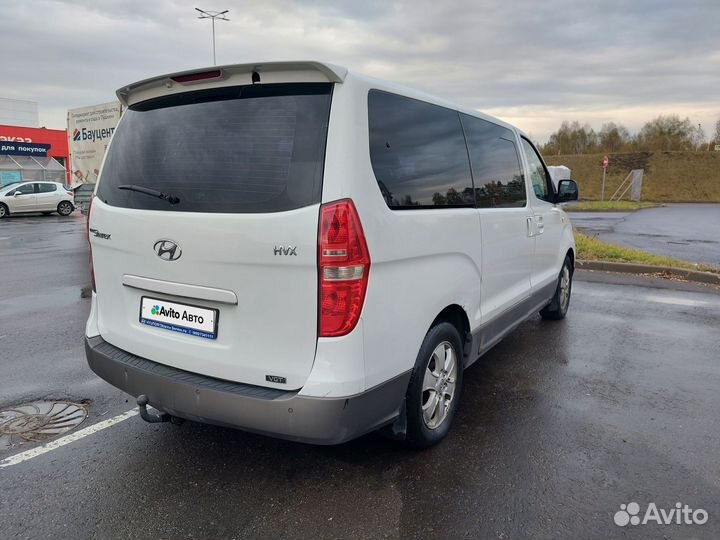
28 153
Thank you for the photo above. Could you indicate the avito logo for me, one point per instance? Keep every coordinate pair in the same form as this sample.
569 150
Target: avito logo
629 514
165 312
173 314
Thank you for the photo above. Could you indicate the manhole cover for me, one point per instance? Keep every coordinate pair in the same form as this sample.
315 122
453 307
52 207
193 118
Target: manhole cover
39 420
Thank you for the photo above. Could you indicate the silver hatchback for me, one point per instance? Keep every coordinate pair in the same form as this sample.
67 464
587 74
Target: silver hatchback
40 196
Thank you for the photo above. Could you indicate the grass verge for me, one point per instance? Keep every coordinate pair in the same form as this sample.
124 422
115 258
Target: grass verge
591 249
608 206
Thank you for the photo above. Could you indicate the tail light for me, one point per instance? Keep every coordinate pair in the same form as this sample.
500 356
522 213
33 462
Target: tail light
343 268
92 267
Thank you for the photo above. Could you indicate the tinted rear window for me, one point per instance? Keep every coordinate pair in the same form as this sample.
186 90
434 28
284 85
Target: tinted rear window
46 188
497 174
418 153
236 150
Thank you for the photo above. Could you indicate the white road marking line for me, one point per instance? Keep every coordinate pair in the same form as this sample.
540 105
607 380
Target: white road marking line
676 301
67 439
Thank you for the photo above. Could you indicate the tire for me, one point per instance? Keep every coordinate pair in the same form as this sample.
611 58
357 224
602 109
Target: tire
558 306
4 212
65 208
426 427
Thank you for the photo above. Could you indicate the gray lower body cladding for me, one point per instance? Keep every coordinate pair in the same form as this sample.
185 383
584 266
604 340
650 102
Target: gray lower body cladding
278 413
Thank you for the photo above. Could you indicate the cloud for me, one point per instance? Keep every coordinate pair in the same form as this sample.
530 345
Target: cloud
534 64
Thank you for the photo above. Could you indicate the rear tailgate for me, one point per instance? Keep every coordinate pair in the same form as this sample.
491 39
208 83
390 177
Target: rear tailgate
241 173
272 329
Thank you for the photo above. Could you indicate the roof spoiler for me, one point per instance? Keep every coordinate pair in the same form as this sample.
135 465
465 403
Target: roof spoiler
229 75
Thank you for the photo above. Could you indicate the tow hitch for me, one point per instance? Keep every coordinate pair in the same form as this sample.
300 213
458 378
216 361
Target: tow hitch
142 402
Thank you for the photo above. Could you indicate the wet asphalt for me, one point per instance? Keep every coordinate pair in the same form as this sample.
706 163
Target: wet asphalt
559 425
689 232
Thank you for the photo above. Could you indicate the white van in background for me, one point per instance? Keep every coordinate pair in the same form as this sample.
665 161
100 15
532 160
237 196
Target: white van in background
299 250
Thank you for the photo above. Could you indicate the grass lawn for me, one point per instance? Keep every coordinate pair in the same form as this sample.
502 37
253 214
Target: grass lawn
608 206
591 249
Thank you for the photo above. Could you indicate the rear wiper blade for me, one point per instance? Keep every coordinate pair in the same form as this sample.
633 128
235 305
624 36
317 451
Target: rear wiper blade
172 199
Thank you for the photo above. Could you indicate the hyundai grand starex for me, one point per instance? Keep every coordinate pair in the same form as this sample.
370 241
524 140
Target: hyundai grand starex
298 250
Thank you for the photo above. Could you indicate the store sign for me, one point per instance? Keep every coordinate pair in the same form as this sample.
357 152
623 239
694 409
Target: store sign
89 133
24 149
12 138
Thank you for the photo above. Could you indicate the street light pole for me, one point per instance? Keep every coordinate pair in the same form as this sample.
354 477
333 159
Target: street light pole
212 15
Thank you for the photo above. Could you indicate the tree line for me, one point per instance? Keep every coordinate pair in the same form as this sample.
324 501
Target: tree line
664 133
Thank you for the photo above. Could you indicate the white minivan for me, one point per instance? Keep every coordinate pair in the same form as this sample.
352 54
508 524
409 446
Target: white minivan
298 250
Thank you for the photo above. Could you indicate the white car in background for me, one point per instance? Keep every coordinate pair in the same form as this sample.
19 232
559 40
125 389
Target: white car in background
40 196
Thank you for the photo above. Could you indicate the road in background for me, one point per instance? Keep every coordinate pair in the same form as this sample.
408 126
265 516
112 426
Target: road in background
690 232
559 424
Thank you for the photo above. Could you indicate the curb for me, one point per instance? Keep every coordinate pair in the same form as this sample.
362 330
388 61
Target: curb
633 268
613 210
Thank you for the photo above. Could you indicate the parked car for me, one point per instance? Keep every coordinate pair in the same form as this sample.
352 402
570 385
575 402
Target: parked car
40 196
298 250
83 193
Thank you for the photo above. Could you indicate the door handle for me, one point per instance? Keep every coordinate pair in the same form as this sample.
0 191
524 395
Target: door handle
529 222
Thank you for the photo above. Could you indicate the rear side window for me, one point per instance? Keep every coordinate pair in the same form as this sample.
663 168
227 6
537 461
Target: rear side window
242 149
46 188
496 168
418 153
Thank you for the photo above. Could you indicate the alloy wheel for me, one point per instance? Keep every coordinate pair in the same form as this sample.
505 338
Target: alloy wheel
564 287
438 388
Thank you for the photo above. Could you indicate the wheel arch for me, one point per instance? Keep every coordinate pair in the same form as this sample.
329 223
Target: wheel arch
456 315
571 253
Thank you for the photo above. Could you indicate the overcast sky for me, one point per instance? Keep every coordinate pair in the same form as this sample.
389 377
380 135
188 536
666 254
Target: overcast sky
532 63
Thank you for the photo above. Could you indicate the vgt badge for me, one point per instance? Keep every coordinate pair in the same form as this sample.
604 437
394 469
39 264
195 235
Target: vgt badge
167 250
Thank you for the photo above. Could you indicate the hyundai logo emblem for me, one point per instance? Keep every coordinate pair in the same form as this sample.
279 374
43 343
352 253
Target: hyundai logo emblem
167 250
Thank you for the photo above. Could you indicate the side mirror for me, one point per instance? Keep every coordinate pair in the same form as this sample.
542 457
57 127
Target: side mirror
16 193
567 191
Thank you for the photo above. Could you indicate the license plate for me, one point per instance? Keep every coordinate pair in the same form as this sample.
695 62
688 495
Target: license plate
183 318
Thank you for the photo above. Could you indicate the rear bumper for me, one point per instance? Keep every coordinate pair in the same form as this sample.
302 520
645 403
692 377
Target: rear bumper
269 411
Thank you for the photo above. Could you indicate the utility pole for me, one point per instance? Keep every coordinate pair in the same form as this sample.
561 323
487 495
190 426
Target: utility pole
212 15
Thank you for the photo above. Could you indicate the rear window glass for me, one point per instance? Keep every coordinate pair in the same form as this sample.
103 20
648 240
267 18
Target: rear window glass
418 153
46 188
233 150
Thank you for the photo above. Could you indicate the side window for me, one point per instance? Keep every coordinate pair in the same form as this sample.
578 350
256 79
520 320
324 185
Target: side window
26 189
418 153
47 188
538 174
496 168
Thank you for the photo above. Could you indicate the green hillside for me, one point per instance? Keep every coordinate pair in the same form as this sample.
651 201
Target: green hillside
669 176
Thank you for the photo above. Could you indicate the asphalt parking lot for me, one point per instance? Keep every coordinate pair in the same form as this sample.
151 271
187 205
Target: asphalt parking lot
559 425
684 231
